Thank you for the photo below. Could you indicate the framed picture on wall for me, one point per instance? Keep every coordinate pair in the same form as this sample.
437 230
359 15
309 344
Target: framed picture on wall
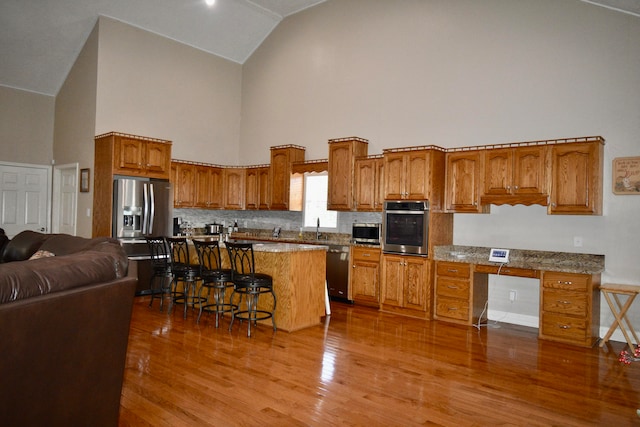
626 175
84 180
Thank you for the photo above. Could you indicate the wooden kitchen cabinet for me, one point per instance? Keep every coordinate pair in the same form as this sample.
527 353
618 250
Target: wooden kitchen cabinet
459 294
123 154
234 187
342 156
183 179
364 276
570 308
415 173
282 157
369 184
515 176
464 182
576 178
208 187
256 187
405 287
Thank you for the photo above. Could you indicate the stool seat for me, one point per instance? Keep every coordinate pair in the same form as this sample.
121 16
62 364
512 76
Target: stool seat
612 293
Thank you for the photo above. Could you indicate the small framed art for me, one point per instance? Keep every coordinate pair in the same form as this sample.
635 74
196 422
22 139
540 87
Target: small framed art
84 180
626 175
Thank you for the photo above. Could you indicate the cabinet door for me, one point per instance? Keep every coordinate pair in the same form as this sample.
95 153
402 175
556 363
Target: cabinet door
364 276
216 187
417 178
379 187
365 185
392 289
529 171
157 159
576 179
416 286
234 188
498 172
251 189
263 188
340 195
202 186
130 155
184 185
394 176
464 172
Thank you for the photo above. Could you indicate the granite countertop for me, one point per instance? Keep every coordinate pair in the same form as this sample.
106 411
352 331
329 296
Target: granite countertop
269 246
566 262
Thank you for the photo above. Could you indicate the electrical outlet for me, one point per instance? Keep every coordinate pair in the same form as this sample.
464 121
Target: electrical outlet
512 296
577 241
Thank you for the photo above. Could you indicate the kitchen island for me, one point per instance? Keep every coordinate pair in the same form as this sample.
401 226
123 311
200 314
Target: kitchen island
299 281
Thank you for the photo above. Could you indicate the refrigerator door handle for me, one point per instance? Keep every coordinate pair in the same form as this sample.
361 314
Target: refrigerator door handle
152 209
145 210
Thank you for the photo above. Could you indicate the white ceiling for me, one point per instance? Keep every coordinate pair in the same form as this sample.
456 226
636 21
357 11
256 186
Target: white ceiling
40 39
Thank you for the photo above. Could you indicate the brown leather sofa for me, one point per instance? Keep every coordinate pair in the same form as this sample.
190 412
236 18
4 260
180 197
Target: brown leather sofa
64 328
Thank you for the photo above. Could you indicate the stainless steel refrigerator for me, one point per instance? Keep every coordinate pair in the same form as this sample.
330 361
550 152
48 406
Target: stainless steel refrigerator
141 207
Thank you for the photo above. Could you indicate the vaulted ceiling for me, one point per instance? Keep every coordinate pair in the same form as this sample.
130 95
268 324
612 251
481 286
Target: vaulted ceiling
40 40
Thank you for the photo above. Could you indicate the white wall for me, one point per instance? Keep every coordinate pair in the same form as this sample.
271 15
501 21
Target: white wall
461 73
153 86
26 126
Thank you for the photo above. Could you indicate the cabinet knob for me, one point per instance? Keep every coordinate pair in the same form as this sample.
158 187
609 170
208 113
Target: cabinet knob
564 326
515 186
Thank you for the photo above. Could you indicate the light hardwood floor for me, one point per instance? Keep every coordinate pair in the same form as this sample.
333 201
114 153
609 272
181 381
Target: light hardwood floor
366 368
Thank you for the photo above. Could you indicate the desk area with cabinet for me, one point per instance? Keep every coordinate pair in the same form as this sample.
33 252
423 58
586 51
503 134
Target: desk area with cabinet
569 288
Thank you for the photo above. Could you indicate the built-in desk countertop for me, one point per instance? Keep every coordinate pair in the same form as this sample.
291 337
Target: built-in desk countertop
569 288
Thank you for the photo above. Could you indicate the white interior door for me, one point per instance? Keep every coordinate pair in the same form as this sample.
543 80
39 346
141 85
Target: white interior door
24 197
65 199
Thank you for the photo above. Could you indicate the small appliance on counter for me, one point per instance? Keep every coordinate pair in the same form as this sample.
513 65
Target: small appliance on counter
213 229
366 233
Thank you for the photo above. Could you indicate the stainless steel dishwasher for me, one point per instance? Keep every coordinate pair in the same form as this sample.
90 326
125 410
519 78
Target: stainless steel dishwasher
338 272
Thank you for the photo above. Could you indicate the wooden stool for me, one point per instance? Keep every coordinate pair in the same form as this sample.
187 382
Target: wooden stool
612 292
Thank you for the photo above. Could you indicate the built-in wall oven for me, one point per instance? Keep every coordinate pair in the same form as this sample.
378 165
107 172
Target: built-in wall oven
405 227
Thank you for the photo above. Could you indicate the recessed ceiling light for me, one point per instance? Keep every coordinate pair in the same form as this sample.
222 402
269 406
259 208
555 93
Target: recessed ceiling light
210 2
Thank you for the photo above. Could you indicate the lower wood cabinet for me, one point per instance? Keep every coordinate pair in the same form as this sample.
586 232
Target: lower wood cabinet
364 276
570 308
405 286
460 295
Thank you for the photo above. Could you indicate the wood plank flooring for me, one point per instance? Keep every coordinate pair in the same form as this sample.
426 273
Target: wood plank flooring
366 368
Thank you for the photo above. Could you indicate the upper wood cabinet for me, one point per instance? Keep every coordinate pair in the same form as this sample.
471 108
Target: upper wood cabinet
515 176
464 182
208 187
415 173
138 156
280 174
257 188
183 178
234 188
576 178
369 183
122 154
342 156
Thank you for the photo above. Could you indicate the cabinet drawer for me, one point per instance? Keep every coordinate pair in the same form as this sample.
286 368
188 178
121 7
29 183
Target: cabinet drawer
564 302
365 254
576 282
452 288
564 327
452 308
453 269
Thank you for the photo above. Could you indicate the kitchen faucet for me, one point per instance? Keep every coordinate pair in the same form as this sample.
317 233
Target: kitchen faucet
318 230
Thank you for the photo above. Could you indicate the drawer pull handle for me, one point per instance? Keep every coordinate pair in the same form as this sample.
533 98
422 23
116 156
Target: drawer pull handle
565 302
452 270
452 308
366 254
564 326
565 283
451 287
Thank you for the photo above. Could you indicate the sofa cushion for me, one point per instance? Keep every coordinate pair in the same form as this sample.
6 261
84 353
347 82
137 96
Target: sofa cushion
65 244
23 245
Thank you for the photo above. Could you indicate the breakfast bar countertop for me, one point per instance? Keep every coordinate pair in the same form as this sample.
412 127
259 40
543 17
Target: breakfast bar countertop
567 262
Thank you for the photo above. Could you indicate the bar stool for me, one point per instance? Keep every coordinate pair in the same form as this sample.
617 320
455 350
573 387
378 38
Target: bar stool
183 271
612 292
161 268
214 278
248 283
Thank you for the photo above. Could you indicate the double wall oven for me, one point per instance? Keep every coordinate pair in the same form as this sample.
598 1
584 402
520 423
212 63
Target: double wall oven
405 227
